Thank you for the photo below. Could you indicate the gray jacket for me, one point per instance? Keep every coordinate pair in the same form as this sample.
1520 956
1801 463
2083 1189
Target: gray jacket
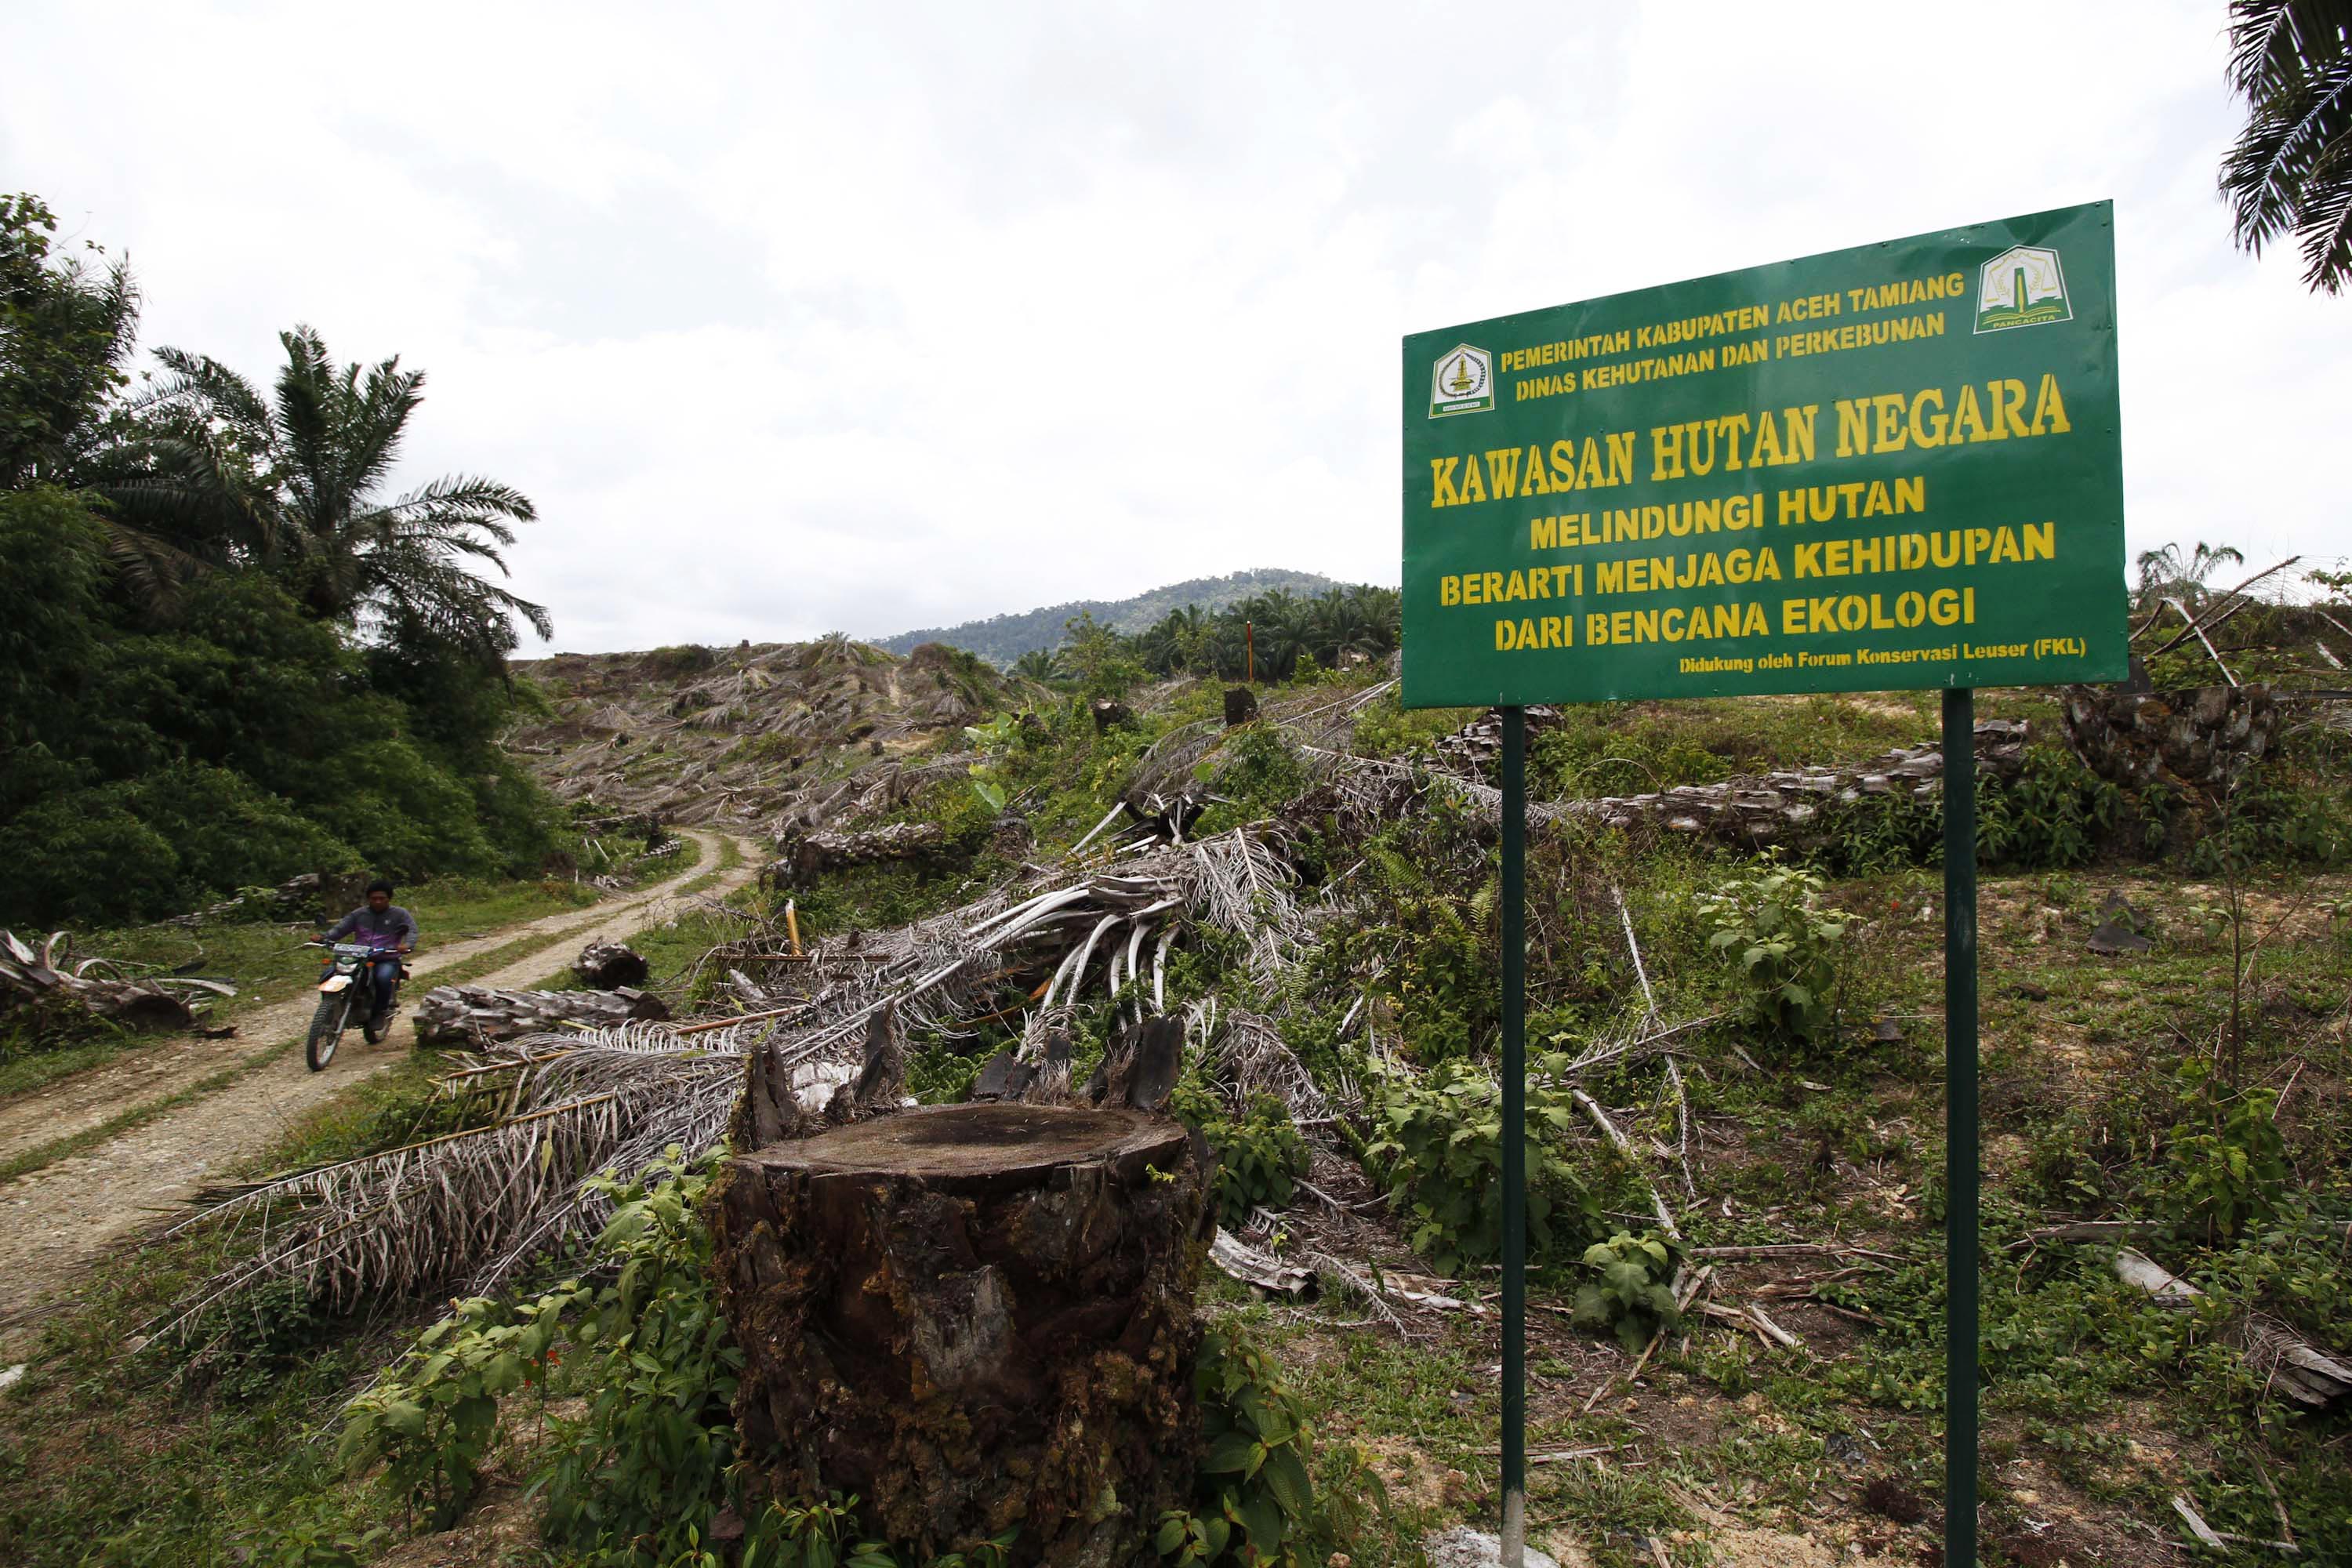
394 922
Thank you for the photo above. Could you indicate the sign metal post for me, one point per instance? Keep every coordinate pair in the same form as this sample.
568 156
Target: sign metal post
1961 1170
1515 1139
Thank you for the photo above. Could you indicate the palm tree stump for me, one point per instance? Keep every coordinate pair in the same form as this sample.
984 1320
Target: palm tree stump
978 1319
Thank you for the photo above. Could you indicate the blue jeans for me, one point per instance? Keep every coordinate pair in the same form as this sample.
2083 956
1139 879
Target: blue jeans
384 973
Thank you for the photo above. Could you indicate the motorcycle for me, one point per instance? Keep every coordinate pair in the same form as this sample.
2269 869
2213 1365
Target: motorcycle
346 984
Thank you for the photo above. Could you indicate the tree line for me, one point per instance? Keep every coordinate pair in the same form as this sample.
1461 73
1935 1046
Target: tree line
1268 635
229 651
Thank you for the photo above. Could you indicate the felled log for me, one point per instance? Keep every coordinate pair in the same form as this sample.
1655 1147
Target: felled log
1110 714
609 965
1241 705
977 1318
477 1015
35 976
2199 736
2292 1367
807 854
1788 807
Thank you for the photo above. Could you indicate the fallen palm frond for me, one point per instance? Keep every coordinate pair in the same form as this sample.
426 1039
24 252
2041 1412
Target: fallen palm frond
485 1205
481 1205
1248 1057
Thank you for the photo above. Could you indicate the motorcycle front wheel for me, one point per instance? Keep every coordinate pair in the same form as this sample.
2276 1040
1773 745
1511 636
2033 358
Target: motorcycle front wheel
327 1029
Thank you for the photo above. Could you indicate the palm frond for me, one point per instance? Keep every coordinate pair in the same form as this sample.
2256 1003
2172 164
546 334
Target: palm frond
479 1206
201 385
2292 61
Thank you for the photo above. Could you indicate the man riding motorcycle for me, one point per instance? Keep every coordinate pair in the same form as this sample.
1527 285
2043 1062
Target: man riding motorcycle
383 924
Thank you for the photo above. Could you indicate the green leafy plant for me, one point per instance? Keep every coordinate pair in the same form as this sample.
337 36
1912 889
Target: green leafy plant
1440 1148
1260 1156
2229 1171
2055 812
940 1074
433 1415
1634 1294
1255 1501
1771 926
648 1460
638 1478
811 1535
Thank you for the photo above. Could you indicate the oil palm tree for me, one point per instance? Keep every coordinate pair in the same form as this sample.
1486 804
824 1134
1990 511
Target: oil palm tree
2290 171
296 479
1035 664
2167 573
1174 644
67 332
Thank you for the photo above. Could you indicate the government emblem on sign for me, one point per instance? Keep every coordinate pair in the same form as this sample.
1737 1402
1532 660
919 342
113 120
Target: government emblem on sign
1462 382
2022 286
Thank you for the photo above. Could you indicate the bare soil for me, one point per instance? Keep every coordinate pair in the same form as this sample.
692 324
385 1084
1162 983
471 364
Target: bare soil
54 1219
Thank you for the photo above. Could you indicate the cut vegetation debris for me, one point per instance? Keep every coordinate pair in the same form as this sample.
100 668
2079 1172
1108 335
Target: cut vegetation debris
1285 924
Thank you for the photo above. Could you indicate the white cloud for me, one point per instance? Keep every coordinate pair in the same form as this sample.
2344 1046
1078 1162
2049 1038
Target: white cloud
795 319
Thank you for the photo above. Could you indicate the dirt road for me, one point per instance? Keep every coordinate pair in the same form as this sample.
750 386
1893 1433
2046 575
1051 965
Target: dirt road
56 1218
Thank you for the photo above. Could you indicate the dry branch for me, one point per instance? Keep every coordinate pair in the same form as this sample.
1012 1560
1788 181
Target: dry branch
30 974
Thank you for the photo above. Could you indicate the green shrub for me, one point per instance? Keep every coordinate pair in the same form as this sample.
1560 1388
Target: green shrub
83 857
1612 749
1254 1502
2055 812
1634 1295
1771 927
638 1478
1875 834
809 1535
1260 1156
1439 1149
940 1074
2225 1168
1257 771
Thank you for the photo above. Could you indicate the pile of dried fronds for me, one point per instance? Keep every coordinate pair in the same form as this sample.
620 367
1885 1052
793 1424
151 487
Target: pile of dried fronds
479 1206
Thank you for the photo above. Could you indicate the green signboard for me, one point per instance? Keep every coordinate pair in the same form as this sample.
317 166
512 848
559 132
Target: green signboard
1885 468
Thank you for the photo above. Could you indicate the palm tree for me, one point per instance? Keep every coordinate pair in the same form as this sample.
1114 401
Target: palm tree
291 482
2290 170
1035 664
2167 573
66 333
1175 643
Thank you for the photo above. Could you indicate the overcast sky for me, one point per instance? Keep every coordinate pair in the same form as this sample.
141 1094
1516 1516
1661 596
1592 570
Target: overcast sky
863 318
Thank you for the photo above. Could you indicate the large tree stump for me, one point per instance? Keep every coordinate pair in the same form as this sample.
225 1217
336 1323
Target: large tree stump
2202 737
977 1318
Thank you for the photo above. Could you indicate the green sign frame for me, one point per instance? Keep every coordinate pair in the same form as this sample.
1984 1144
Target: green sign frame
1893 467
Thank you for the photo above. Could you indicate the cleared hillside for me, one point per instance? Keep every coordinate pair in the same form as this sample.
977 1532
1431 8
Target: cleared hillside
742 737
1001 639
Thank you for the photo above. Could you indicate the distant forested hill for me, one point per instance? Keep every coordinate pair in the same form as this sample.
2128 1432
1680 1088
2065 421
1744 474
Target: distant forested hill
1001 639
